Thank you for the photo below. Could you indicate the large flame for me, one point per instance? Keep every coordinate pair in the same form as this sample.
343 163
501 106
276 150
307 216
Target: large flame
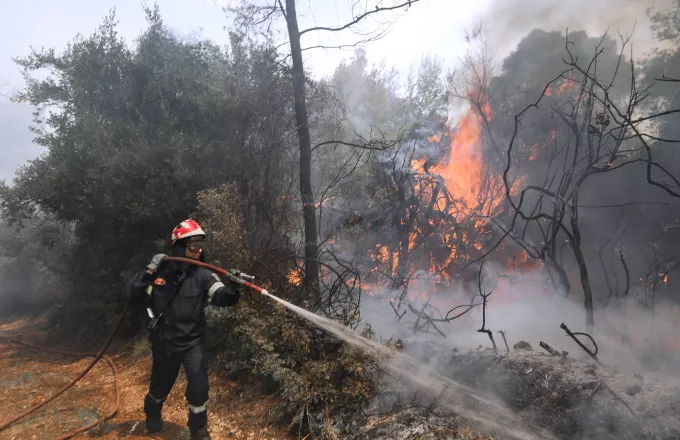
464 172
465 191
475 190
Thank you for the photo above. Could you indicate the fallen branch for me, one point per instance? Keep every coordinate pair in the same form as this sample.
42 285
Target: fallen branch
586 349
399 316
554 352
617 397
504 340
549 349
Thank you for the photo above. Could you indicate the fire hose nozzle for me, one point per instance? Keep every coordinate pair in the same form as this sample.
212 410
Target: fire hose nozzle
239 274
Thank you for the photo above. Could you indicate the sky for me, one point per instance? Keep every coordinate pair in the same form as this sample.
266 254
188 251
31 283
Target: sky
434 27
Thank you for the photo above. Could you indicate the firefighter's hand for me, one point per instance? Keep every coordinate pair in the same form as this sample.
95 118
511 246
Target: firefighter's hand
155 262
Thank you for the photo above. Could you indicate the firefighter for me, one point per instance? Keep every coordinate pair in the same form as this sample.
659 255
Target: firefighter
178 296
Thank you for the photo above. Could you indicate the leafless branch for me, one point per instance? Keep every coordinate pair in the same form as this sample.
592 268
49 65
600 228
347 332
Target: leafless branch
373 144
665 78
359 18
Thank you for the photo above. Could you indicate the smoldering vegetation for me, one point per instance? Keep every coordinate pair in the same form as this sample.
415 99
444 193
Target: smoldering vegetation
535 369
513 193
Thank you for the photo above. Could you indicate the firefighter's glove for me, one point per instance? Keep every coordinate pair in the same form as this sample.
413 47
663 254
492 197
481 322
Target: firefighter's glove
156 262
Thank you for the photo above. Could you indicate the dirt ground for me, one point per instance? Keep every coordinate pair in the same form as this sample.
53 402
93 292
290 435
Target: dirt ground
27 376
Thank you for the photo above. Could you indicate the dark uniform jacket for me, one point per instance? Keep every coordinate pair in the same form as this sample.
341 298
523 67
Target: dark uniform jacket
182 325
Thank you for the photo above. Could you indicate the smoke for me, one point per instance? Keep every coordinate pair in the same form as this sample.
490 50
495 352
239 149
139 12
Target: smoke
509 21
528 309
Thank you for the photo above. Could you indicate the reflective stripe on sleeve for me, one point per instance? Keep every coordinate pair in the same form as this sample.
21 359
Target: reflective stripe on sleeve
214 288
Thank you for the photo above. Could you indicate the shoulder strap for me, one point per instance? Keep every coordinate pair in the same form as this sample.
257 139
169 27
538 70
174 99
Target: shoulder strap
176 292
155 320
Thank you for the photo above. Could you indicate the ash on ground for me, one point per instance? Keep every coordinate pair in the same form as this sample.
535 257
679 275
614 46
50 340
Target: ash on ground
570 398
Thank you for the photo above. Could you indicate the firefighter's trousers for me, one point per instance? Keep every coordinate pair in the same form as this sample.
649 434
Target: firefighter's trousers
164 372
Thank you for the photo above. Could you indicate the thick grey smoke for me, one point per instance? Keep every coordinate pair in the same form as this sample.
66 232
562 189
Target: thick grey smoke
509 21
529 310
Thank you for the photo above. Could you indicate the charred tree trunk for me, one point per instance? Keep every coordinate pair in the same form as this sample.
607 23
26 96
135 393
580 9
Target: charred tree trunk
580 260
563 279
311 280
402 237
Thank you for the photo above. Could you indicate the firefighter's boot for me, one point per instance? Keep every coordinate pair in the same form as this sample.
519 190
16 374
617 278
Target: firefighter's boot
200 434
152 409
198 423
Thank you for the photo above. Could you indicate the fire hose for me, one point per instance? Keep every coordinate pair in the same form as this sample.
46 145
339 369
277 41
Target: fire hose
233 275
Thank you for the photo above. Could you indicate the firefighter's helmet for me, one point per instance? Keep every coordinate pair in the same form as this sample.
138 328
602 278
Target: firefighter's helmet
186 229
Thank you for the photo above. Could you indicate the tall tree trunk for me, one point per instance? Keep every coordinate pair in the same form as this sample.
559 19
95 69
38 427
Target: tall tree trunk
311 280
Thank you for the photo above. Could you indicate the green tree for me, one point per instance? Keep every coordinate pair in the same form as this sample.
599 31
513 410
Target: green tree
136 133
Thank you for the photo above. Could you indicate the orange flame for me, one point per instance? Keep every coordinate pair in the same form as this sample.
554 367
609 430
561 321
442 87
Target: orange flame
568 85
467 189
418 165
463 172
324 201
295 277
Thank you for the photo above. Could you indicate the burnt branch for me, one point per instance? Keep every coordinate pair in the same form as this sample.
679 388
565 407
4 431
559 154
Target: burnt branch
485 297
626 289
553 352
665 78
447 318
399 316
580 344
427 320
549 349
507 348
